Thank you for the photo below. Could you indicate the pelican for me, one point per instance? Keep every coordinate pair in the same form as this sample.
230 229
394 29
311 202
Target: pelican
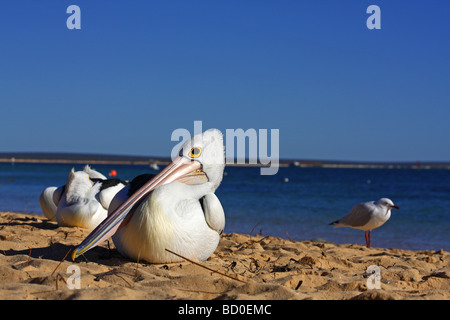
367 216
83 201
175 210
50 197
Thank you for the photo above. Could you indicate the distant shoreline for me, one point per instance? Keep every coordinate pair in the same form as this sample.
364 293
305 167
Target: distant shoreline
61 158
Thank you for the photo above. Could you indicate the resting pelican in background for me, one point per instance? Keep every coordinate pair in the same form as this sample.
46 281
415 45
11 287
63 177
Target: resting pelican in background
175 210
83 201
50 197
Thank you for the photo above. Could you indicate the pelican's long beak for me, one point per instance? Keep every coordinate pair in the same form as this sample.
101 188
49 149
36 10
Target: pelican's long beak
181 169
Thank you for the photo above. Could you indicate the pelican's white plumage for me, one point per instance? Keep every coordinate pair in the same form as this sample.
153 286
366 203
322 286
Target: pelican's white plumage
168 219
176 210
82 202
49 200
213 210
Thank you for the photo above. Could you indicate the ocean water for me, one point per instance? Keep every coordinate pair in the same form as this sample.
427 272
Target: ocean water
297 203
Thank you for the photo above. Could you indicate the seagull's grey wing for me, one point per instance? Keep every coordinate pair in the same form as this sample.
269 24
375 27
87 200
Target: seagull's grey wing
213 210
358 216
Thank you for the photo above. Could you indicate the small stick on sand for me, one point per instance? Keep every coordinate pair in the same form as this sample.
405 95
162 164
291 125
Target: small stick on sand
61 261
198 264
29 258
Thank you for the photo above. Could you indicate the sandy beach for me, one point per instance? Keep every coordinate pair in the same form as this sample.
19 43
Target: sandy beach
243 267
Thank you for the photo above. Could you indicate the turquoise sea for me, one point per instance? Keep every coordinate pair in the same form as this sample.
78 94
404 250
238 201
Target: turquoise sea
297 203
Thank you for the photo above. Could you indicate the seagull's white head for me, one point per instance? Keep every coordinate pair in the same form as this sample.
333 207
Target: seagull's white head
385 202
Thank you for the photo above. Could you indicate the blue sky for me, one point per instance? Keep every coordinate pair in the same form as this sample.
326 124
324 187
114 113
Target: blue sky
137 70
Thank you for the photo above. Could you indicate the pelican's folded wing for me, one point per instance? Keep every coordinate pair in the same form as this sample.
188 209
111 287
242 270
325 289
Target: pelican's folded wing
213 210
108 191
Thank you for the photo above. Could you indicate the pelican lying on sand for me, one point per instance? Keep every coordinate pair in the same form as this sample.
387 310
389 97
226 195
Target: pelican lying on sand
83 201
175 210
367 216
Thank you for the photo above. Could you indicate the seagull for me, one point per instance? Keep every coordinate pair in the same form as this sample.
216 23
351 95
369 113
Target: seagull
83 201
176 210
367 216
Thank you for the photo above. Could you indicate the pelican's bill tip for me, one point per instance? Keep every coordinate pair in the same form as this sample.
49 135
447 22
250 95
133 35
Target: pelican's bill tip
75 254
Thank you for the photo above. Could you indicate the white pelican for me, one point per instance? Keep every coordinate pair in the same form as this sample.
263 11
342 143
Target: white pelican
83 201
367 216
175 210
50 197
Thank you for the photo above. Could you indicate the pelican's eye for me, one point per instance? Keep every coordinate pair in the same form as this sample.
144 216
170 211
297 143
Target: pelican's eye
195 152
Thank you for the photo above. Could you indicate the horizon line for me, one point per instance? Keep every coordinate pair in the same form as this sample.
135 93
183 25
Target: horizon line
77 157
